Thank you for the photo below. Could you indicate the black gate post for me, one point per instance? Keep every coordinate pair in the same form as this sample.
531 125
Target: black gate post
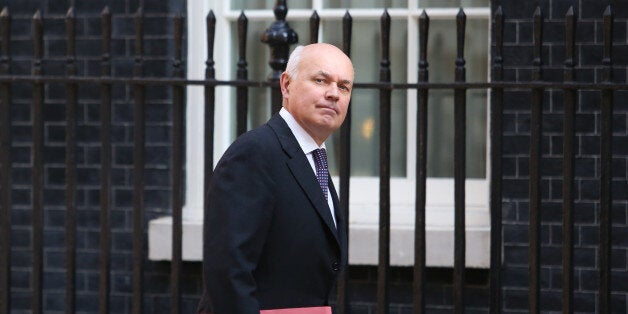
279 36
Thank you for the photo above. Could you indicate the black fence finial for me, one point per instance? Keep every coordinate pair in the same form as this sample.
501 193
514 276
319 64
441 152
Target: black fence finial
279 36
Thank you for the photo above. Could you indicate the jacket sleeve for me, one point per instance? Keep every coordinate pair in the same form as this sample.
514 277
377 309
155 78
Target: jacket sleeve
241 201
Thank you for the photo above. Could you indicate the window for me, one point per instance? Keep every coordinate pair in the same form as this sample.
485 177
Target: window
364 195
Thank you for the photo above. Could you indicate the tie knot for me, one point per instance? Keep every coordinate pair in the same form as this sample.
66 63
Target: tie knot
320 157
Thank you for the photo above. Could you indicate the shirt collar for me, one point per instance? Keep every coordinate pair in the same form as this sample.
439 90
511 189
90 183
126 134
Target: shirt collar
304 139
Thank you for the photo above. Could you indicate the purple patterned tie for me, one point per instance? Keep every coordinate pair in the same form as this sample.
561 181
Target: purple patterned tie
322 172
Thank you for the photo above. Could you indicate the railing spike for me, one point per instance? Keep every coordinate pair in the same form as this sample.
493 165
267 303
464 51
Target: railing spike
71 35
385 40
424 14
347 15
38 38
105 17
178 35
5 33
570 11
499 34
347 32
385 14
608 11
37 15
424 25
570 31
608 35
538 33
461 21
243 23
242 74
315 21
210 22
499 11
139 33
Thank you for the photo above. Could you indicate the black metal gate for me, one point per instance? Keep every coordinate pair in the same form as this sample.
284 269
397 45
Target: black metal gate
279 48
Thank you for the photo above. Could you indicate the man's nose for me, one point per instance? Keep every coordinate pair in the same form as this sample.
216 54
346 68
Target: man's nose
332 92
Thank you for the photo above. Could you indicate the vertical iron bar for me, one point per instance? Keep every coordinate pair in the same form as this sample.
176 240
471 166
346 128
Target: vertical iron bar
383 267
105 165
138 167
536 111
345 171
460 112
70 167
497 111
279 36
177 169
37 163
568 164
242 96
606 149
315 21
347 33
210 99
421 170
5 162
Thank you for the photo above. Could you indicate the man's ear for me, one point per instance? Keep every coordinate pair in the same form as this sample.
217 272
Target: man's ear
284 82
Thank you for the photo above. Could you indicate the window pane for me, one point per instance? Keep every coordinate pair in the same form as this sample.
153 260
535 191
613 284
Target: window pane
441 58
268 4
334 4
452 3
365 102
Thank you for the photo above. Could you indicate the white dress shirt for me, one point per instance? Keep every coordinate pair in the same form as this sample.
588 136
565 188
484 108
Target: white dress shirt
307 144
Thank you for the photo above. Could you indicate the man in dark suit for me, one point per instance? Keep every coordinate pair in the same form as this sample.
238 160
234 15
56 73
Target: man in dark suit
276 233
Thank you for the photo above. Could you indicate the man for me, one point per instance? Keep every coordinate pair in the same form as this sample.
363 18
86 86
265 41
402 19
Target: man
275 231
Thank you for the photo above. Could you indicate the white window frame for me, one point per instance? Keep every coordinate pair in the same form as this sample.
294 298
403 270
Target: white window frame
364 191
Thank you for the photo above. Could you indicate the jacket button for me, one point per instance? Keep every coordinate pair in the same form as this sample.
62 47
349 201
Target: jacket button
335 266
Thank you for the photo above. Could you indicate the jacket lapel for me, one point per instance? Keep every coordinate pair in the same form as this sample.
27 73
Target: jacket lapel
302 172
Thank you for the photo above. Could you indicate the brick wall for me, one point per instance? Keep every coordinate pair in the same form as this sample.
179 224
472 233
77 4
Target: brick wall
517 57
438 294
158 54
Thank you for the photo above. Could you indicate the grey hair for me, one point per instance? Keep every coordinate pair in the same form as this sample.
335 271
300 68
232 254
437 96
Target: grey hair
293 62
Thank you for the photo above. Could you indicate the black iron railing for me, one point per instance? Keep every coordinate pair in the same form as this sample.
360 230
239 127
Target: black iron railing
138 82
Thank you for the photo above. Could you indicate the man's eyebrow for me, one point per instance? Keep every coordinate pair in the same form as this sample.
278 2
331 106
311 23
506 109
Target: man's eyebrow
323 73
326 75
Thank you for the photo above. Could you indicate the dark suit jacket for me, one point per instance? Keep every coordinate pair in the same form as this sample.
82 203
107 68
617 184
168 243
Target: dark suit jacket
271 240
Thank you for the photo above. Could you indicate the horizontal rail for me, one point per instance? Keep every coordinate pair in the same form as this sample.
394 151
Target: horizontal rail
374 85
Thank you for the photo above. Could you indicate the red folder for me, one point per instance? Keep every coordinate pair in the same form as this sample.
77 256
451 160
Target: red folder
300 310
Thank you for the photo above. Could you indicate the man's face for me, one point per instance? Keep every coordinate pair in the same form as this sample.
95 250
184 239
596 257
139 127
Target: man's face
319 96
